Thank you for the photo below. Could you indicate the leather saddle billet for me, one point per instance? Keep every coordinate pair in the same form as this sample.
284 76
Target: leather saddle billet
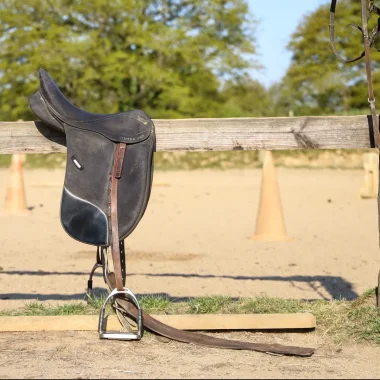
106 191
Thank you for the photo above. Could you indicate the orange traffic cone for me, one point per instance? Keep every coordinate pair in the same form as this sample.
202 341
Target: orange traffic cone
270 224
15 202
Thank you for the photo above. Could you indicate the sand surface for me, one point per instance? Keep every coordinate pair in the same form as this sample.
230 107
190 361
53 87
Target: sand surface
193 241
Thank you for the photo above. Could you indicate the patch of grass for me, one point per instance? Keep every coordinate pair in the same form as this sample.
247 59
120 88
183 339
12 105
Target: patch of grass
96 302
155 304
267 305
358 320
49 161
208 305
310 158
344 321
33 161
38 308
5 160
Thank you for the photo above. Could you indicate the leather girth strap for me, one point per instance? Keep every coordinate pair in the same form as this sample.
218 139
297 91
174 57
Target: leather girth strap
116 175
129 310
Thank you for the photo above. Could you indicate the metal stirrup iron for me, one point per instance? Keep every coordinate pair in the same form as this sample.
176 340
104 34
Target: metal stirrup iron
121 335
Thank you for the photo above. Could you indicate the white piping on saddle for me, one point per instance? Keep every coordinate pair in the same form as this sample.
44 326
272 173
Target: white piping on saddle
83 200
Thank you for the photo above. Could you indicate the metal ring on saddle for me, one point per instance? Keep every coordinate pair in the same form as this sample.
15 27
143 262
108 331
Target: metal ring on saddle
137 335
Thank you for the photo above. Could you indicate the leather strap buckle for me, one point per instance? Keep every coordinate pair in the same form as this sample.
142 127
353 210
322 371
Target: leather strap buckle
136 335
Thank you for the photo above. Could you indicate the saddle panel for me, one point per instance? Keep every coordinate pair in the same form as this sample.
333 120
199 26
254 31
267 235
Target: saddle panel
128 127
134 186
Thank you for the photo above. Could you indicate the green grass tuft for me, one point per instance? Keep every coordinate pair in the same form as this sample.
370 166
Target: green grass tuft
267 305
311 158
343 321
208 305
155 304
38 308
96 302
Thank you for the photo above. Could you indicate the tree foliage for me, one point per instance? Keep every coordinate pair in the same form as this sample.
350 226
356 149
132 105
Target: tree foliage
175 58
246 97
316 81
167 57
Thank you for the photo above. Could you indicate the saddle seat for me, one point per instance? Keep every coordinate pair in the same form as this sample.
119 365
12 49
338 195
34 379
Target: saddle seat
52 106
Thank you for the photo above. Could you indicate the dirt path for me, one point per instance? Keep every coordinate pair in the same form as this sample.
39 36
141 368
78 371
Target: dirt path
193 242
82 355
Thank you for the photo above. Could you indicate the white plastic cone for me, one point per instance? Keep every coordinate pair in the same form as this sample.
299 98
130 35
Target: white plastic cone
15 201
270 224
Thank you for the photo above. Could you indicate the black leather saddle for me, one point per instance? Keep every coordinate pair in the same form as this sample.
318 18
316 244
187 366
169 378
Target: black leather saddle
92 141
108 180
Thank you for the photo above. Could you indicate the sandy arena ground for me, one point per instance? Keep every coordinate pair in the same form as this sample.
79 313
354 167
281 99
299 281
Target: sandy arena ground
191 242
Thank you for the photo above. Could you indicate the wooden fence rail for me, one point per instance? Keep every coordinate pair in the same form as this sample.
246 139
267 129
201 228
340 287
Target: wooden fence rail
325 132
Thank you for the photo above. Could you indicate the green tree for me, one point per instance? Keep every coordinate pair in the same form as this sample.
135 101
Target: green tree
316 81
166 57
246 97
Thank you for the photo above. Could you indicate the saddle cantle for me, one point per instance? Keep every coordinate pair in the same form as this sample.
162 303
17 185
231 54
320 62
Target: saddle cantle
106 190
92 141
